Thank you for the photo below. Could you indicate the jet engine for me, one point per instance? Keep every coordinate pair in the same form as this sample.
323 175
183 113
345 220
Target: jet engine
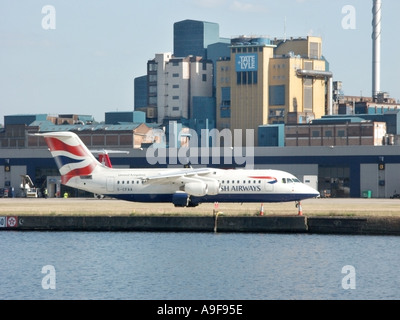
180 199
197 189
213 187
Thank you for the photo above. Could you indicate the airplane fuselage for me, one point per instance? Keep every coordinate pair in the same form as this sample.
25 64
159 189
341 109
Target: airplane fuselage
183 186
239 185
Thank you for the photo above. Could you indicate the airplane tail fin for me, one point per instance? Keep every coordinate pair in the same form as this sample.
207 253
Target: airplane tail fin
71 155
105 159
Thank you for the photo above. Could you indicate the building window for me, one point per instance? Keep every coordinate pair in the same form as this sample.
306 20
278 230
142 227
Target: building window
255 77
153 100
277 113
315 133
328 133
249 77
175 97
246 77
175 108
175 86
175 75
204 77
152 66
314 50
277 95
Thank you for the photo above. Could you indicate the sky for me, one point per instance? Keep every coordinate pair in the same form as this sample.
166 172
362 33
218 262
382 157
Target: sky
81 57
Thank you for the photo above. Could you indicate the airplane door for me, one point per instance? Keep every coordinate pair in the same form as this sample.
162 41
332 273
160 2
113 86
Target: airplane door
110 184
269 187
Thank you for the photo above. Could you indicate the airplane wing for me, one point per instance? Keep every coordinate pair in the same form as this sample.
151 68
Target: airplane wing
103 151
173 175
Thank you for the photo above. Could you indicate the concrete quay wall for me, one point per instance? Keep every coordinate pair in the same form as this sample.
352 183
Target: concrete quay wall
256 224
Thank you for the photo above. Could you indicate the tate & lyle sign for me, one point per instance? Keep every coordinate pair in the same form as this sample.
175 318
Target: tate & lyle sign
246 62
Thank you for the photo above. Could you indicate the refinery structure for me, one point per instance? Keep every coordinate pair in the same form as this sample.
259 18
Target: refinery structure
282 90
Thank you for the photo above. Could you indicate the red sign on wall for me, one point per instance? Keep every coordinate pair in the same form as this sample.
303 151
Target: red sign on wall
12 222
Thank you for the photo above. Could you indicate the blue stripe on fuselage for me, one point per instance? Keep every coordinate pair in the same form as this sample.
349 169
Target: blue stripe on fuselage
266 197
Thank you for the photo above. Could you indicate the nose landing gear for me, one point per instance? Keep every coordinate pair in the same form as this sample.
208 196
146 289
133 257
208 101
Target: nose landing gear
300 210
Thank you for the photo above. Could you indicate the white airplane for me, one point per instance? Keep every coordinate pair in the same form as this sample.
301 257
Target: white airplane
186 187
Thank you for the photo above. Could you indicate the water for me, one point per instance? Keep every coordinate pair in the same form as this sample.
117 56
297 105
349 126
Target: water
194 266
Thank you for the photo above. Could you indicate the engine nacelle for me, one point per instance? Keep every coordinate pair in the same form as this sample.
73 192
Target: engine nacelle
214 187
180 199
197 189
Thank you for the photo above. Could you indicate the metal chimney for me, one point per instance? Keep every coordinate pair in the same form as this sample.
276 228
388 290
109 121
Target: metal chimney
376 47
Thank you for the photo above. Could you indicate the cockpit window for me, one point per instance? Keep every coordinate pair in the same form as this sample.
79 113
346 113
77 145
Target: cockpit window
296 180
289 180
283 180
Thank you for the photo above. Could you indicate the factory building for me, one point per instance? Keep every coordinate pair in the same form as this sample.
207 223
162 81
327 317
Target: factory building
264 80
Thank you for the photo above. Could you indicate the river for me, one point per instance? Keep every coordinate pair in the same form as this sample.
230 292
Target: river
197 266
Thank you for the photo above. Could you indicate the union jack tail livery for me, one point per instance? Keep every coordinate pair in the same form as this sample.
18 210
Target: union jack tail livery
72 157
184 187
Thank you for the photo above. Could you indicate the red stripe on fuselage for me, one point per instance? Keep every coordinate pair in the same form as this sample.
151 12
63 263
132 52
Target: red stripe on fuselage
57 145
263 177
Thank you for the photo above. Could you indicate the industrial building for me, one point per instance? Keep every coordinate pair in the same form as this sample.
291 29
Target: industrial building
265 80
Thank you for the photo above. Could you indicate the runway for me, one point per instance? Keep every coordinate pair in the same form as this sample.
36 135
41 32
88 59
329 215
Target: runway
112 207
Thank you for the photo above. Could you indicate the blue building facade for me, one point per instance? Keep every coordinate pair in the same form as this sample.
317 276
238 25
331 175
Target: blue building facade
192 37
271 135
128 116
140 92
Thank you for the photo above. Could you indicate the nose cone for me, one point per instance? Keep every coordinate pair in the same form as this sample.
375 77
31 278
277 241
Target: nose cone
312 192
307 192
